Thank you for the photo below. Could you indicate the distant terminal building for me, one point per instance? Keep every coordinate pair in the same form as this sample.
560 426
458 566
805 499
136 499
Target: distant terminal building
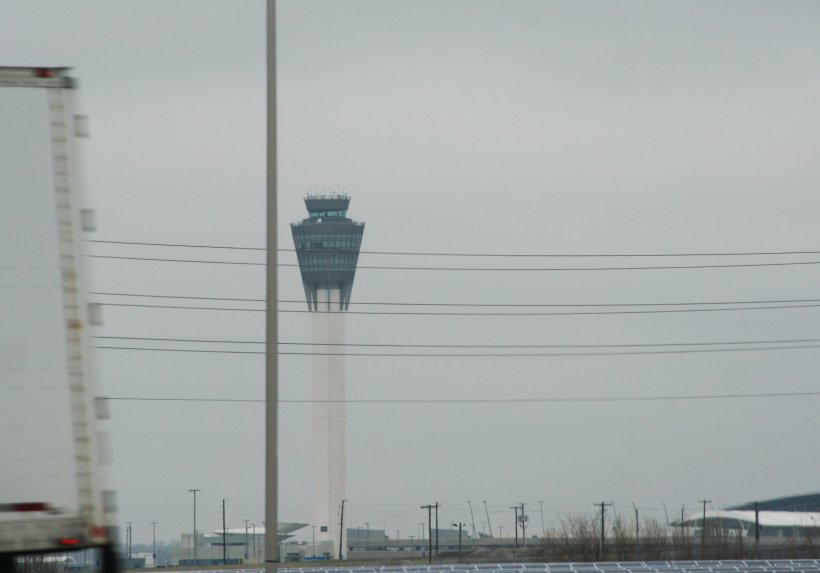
770 525
800 503
773 519
327 248
237 545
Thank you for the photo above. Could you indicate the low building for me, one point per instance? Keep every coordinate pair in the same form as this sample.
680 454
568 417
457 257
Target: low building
239 545
771 525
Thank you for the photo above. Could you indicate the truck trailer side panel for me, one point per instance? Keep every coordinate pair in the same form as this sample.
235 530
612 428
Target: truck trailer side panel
51 495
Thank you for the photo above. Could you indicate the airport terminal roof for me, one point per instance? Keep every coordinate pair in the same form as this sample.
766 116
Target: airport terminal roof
283 528
803 502
766 518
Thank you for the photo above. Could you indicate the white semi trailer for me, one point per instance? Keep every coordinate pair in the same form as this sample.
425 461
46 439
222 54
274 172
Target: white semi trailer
52 449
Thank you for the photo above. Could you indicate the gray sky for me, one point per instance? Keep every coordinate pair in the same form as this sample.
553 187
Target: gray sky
457 126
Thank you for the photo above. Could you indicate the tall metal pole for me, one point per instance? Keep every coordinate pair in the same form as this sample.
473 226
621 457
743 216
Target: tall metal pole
603 505
703 526
543 529
437 504
247 545
472 518
515 507
341 530
224 537
757 531
128 542
523 526
429 509
194 540
460 526
154 536
271 309
666 513
637 533
487 511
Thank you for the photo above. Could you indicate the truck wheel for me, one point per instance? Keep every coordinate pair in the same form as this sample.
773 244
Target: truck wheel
108 559
8 562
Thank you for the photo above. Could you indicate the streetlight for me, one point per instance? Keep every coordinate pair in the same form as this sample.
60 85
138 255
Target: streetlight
253 528
154 525
459 525
247 546
194 492
313 527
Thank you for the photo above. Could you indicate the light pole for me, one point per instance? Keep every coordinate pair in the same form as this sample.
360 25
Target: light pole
128 542
154 535
313 527
637 533
194 540
543 529
459 525
247 546
253 528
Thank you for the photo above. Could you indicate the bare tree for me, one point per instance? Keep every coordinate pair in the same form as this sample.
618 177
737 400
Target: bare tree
654 542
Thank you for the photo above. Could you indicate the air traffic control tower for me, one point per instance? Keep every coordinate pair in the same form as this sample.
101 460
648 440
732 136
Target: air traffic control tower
327 247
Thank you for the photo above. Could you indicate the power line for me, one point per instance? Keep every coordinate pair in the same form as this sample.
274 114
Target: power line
184 245
466 354
490 346
165 260
476 305
462 254
590 399
479 269
442 313
167 296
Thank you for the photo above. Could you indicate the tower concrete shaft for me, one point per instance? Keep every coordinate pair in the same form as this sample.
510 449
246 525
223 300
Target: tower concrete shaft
329 414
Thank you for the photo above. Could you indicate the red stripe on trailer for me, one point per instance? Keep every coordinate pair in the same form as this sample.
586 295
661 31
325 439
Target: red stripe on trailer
25 506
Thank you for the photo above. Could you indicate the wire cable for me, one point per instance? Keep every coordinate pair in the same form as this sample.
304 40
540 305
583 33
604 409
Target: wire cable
466 355
476 305
471 346
443 313
462 254
590 399
480 269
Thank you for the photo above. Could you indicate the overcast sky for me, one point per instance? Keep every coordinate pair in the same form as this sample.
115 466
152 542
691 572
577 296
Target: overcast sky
468 127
